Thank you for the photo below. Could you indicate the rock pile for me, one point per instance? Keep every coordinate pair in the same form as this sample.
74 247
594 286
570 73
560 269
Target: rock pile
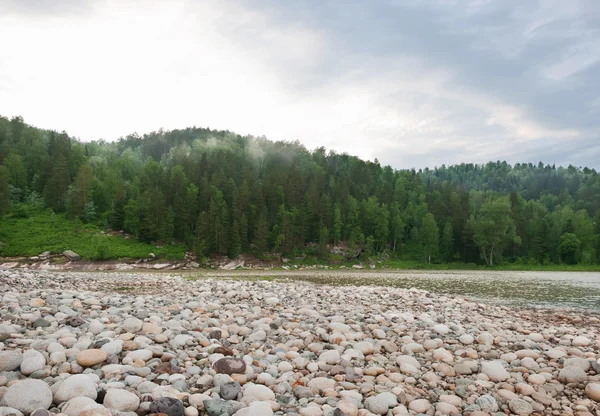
95 344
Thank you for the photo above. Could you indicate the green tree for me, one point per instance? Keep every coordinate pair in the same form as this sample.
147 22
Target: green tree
4 191
493 228
568 247
447 242
235 245
429 235
337 224
323 240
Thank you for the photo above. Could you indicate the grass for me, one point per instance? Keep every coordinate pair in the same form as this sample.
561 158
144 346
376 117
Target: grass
46 231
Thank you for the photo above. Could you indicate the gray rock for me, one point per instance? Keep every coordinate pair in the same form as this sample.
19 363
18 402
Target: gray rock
487 402
230 391
10 360
218 407
71 255
28 396
41 323
168 406
520 407
9 411
572 374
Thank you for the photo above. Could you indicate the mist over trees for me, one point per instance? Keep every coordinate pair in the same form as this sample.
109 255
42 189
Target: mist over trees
221 193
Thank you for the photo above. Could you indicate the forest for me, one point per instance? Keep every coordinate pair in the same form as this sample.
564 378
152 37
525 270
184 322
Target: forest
219 193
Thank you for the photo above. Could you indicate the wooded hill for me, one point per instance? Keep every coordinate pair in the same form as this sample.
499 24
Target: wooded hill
221 193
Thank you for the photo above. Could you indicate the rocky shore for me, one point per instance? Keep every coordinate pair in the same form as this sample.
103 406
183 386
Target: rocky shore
101 344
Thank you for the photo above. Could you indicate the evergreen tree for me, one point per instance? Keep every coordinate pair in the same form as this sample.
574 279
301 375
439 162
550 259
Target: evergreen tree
429 235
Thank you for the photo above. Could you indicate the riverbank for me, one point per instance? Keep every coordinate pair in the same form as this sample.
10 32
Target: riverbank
147 342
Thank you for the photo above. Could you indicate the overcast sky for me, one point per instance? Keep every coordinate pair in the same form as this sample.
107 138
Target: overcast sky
413 83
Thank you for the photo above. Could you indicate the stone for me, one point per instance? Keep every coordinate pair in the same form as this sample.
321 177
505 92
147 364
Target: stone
71 255
487 402
9 411
89 358
32 361
495 371
380 403
419 406
77 405
78 385
121 400
255 409
28 396
218 407
230 365
321 383
10 360
330 356
520 407
168 406
132 325
230 390
447 409
581 341
572 374
441 329
258 392
592 391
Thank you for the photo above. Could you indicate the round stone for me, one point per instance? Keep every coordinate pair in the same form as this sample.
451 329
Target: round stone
28 396
258 392
10 360
230 390
168 406
592 391
78 385
121 400
76 406
572 374
420 405
520 407
32 361
88 358
230 365
487 402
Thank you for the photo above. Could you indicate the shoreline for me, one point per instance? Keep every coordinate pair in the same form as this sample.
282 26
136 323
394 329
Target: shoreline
307 349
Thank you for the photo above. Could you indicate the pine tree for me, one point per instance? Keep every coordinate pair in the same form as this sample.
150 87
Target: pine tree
235 245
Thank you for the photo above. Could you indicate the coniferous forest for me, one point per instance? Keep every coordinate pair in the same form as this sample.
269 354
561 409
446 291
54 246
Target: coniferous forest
219 193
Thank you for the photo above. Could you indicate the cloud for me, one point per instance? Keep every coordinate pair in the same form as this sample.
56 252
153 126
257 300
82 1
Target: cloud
413 84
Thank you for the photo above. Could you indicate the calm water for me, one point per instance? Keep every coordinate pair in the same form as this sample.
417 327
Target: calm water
531 289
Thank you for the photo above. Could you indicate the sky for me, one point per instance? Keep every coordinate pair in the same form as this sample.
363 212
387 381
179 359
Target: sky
413 83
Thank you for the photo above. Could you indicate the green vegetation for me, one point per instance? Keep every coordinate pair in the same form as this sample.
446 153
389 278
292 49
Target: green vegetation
218 193
46 231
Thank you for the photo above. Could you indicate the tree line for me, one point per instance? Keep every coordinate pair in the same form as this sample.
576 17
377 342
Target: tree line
226 194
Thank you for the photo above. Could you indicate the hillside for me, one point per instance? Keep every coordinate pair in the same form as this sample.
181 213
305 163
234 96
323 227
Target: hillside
220 193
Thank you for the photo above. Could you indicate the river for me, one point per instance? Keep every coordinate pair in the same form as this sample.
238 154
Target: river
529 289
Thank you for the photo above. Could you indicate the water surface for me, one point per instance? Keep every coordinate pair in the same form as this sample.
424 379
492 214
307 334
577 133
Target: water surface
529 289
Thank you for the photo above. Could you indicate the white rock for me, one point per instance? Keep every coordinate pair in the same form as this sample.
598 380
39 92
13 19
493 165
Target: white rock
257 392
28 396
330 356
121 400
78 385
420 405
32 362
495 371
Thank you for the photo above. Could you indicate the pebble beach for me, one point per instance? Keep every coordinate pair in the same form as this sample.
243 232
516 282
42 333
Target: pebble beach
102 344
